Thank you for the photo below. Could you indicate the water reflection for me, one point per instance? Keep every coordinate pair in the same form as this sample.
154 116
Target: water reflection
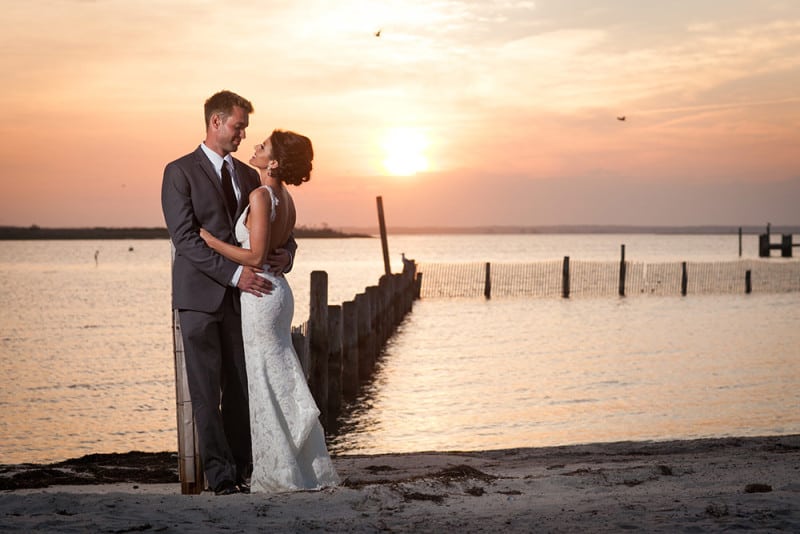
86 352
573 371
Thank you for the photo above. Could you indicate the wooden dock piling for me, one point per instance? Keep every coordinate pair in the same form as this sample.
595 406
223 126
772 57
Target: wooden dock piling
335 358
350 378
190 467
318 341
384 242
766 246
487 284
565 278
684 279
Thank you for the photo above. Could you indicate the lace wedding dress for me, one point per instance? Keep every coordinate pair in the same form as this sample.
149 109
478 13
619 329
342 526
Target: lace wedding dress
289 451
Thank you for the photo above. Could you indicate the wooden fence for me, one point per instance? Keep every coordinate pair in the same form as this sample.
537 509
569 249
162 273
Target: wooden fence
571 278
338 347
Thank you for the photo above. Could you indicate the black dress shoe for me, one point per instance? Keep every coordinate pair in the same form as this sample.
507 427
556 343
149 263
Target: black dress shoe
226 488
244 487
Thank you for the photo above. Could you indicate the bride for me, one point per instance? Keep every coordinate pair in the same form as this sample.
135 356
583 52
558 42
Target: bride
289 451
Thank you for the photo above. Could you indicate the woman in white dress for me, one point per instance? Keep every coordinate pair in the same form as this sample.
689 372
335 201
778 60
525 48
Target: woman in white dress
289 451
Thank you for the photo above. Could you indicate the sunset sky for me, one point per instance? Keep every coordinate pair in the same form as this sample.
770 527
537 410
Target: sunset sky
461 113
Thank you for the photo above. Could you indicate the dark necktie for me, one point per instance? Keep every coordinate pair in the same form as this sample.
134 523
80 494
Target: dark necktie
227 189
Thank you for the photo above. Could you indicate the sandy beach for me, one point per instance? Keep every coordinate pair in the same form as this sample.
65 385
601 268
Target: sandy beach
701 485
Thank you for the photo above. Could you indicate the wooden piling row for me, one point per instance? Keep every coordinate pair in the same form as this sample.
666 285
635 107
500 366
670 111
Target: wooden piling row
345 341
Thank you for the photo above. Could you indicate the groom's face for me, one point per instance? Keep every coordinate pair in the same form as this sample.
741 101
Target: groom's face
231 131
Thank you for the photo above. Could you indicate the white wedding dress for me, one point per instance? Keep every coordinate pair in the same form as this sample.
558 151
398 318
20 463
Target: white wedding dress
289 451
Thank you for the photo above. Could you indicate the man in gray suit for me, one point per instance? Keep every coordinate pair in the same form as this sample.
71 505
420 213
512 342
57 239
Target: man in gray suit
208 188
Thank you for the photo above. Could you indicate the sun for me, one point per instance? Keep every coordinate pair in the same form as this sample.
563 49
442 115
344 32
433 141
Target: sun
404 149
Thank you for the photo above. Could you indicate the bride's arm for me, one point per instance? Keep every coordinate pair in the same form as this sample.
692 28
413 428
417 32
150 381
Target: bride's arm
256 255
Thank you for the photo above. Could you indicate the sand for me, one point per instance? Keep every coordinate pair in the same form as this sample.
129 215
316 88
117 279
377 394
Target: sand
704 485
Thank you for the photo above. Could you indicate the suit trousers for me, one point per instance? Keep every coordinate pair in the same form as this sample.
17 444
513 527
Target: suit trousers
217 378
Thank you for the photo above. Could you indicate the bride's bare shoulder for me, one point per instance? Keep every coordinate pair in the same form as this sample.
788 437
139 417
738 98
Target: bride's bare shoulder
259 193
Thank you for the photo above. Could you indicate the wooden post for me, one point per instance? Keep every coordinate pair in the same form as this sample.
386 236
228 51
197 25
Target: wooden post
740 241
384 312
786 245
318 341
190 466
334 362
487 284
366 334
763 246
565 278
748 282
350 350
684 279
384 242
622 272
418 287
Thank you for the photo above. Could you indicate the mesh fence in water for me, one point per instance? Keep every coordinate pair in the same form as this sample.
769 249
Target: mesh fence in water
602 278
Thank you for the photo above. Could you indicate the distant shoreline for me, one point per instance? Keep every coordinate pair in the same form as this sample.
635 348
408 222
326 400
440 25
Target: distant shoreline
10 233
18 233
587 229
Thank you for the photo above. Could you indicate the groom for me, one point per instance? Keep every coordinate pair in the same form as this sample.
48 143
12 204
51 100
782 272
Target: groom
208 188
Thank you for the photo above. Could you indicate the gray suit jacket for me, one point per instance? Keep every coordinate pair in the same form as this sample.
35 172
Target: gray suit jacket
191 198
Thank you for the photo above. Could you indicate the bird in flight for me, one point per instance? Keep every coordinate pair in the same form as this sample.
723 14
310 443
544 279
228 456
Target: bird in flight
378 33
622 118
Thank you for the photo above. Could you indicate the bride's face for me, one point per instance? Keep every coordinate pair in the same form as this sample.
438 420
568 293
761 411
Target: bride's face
262 155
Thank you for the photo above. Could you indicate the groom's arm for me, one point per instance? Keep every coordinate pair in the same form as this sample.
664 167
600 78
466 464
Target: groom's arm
184 227
282 260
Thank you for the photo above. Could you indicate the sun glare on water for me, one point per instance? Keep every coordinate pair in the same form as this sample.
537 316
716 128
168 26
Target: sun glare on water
404 150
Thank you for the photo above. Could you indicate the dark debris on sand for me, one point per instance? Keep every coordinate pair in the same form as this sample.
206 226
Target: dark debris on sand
447 475
134 466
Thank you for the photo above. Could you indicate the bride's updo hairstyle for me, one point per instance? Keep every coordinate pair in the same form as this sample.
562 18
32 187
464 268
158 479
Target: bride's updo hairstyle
293 153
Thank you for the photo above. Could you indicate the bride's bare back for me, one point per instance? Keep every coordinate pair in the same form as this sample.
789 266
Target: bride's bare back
275 218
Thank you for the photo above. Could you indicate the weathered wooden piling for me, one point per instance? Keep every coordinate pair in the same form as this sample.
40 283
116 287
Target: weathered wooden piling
565 278
786 245
318 341
748 282
384 242
487 284
684 279
373 325
740 241
350 377
366 335
765 245
622 271
190 467
418 286
335 350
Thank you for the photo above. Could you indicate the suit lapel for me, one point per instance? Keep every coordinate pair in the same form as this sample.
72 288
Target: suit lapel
211 174
244 188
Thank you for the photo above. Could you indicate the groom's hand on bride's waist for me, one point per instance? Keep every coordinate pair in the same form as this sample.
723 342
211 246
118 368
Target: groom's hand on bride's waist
278 261
250 282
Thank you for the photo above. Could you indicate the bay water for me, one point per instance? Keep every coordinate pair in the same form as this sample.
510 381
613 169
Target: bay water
87 365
